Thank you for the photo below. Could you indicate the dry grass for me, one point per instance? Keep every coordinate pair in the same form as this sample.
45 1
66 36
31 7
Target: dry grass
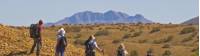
137 38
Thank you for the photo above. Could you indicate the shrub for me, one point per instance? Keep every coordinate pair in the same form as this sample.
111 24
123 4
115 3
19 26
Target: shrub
126 36
134 53
77 36
73 29
142 41
187 30
187 39
196 53
167 53
76 29
166 46
116 41
156 41
102 33
79 41
137 34
156 29
164 40
169 38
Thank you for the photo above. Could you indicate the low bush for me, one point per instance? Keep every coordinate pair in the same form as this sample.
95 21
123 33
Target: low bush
126 36
142 41
164 40
79 41
134 53
166 46
102 33
156 29
187 39
187 30
137 34
116 41
167 53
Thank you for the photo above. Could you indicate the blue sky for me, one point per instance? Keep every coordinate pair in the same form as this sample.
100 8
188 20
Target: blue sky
25 12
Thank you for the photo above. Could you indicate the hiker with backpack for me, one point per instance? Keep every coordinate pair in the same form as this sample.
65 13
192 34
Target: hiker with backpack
35 34
121 51
90 45
61 42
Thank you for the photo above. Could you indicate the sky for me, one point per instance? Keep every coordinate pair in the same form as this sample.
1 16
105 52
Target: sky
26 12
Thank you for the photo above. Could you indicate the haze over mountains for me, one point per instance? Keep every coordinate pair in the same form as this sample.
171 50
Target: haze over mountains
89 17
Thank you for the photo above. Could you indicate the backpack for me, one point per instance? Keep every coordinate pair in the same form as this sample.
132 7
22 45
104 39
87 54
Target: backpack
120 52
90 45
34 32
63 42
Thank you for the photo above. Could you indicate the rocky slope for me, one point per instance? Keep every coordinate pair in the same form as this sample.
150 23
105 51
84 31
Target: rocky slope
194 20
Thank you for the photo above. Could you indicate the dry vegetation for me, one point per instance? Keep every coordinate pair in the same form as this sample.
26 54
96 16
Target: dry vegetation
163 39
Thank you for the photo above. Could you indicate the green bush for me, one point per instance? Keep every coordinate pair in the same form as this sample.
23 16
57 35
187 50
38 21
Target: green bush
156 29
102 33
134 53
187 30
167 53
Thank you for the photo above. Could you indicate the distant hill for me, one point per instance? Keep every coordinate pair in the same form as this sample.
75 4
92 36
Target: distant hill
89 17
194 20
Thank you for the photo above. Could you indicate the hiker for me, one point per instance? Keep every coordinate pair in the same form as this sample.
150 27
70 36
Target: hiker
61 42
35 34
150 52
90 45
121 50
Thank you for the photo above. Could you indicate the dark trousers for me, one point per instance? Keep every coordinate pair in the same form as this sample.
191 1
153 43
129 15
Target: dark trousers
90 53
36 44
60 51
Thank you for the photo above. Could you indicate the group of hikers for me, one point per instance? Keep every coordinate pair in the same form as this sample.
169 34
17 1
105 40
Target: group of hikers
90 44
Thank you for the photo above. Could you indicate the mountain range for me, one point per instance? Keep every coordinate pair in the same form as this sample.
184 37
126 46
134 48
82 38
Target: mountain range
194 20
89 17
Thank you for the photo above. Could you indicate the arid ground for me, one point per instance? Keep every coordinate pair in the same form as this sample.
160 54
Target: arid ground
162 39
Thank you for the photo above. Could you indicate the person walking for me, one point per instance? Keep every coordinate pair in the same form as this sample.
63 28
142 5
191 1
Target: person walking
35 34
90 45
121 51
61 42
